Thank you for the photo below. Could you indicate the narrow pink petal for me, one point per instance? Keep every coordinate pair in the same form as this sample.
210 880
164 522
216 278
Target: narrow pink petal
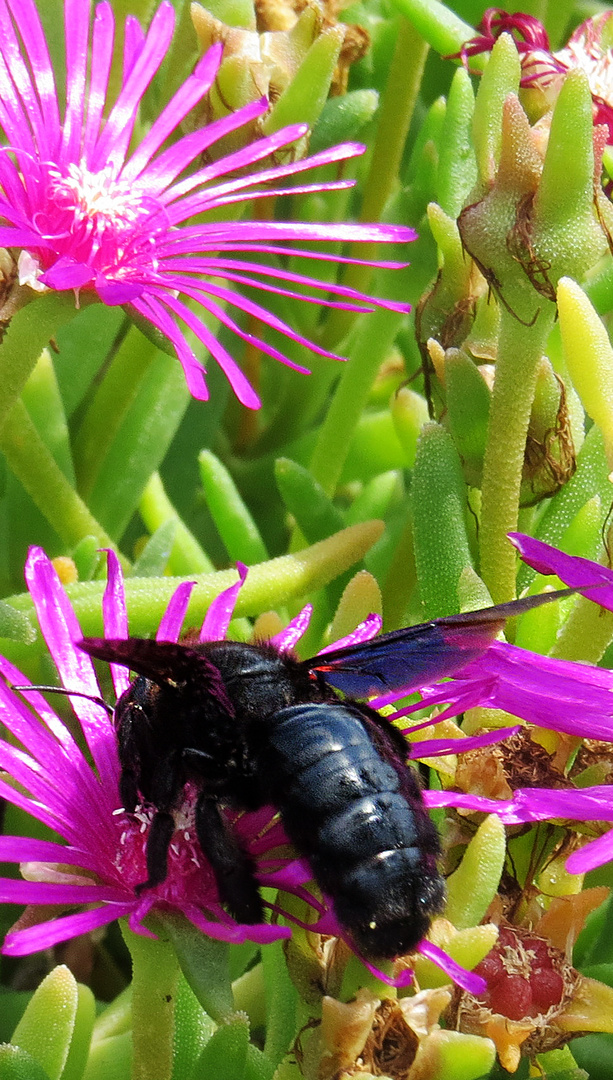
44 935
115 138
199 292
172 620
217 618
289 877
246 156
58 750
247 231
25 726
140 912
169 164
426 748
193 370
287 639
557 694
115 616
271 192
211 195
596 853
38 811
462 801
215 265
243 304
235 933
25 849
213 268
28 21
364 631
12 186
76 22
20 76
15 891
474 984
61 629
17 238
237 379
57 792
114 293
303 253
188 95
133 42
573 570
103 39
67 273
29 775
114 611
404 978
574 804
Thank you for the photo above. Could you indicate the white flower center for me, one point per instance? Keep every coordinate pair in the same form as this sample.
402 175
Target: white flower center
98 197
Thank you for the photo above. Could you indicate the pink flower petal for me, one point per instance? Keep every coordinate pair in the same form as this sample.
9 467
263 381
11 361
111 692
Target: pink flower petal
115 616
457 974
426 748
60 630
365 631
217 618
287 639
44 935
595 854
573 570
172 620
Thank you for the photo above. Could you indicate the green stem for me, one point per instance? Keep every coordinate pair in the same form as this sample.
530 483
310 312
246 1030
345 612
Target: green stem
394 118
268 585
29 331
371 348
520 348
154 989
33 464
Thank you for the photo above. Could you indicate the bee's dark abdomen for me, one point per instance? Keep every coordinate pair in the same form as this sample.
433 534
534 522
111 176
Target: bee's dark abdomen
365 830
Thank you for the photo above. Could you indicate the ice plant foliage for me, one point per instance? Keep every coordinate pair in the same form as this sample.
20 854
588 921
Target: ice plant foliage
91 213
587 49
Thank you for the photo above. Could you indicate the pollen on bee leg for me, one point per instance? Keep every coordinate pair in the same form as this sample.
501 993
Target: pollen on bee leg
372 925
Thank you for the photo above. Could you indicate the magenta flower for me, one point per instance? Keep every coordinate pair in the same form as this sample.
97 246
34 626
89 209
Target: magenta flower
542 68
564 696
103 858
90 215
558 694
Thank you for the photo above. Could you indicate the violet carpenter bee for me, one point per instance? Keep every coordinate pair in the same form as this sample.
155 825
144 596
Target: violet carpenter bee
252 726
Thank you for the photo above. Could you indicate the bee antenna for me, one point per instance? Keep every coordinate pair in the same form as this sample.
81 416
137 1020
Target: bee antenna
69 693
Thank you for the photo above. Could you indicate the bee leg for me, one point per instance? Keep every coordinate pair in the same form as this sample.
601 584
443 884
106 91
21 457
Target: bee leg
158 842
165 787
129 757
234 870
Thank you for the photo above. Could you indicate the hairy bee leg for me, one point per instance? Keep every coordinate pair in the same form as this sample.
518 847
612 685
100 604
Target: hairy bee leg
158 842
234 871
129 757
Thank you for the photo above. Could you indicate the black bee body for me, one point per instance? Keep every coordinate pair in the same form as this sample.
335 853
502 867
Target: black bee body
351 805
251 726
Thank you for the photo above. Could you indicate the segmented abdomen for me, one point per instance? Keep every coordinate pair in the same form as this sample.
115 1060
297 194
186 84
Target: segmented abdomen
356 812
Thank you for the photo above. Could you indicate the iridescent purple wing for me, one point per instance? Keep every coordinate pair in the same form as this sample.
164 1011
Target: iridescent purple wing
419 655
